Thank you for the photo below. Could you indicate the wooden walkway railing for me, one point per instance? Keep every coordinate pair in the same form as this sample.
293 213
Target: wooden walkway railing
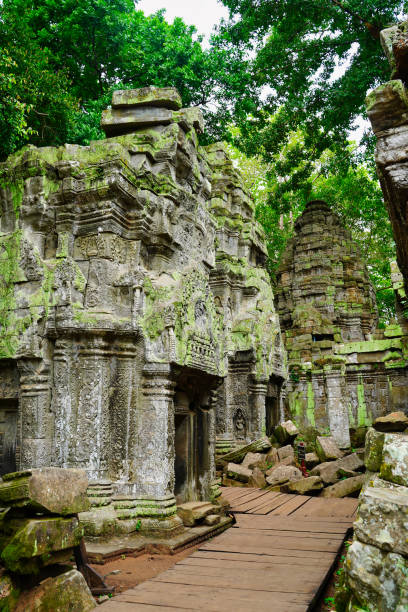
276 558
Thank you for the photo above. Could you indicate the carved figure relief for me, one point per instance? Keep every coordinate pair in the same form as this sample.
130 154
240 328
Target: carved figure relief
240 424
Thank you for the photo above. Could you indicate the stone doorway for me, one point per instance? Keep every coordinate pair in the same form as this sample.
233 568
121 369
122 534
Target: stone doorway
271 414
191 445
8 435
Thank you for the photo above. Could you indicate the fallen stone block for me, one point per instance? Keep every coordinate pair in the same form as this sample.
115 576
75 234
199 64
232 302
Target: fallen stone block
237 472
252 460
28 544
229 482
327 449
46 490
344 488
326 471
394 466
374 450
378 579
395 421
195 512
304 486
344 473
382 519
237 455
271 457
286 432
212 519
285 451
257 479
311 460
282 474
67 592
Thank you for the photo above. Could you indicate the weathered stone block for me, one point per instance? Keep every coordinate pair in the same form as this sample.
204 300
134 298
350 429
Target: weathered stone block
282 474
27 544
344 488
194 512
285 432
67 592
394 465
387 106
117 121
237 472
382 519
166 97
285 451
327 449
373 450
49 490
257 479
377 579
304 486
395 421
252 460
311 460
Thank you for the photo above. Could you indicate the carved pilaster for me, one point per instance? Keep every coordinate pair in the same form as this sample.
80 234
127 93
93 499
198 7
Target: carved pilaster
258 392
36 418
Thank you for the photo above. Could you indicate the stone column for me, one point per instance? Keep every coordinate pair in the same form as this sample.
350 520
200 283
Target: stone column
152 489
337 411
257 426
81 379
36 417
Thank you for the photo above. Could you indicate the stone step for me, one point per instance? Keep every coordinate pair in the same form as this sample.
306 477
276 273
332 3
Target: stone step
192 513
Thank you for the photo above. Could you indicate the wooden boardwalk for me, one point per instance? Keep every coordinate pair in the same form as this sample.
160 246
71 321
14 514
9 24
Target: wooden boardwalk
276 558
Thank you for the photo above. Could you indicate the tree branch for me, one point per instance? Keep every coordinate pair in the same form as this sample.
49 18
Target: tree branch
373 29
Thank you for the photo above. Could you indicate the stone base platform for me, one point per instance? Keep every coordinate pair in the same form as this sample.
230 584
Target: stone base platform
135 545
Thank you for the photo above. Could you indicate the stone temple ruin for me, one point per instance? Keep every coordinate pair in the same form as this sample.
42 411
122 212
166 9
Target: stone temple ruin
138 329
344 372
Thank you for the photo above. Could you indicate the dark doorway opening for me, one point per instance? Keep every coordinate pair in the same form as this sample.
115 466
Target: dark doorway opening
271 414
8 435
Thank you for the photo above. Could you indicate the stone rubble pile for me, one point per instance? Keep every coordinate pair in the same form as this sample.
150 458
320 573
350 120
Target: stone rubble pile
274 463
39 530
376 566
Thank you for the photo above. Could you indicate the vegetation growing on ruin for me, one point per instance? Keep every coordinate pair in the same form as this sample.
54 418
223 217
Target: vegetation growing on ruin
284 82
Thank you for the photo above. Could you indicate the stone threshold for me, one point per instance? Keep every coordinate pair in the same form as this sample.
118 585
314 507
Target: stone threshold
135 545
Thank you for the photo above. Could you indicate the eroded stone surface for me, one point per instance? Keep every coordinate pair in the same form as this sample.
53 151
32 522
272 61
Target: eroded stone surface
344 488
281 474
49 490
378 579
394 466
65 593
373 450
383 518
137 313
395 421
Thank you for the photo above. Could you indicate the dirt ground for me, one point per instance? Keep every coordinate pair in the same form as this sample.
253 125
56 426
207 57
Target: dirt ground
128 572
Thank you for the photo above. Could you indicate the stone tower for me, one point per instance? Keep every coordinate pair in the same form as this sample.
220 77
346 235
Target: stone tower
342 370
132 280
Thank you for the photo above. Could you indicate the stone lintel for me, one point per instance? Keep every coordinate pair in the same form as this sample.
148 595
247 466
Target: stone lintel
159 97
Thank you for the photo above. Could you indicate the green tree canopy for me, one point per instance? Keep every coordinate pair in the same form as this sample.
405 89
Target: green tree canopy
316 59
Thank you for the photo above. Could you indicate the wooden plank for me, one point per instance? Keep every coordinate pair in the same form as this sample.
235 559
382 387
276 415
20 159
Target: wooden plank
264 543
271 505
248 506
269 576
291 533
323 507
217 577
253 496
326 525
281 557
125 606
214 599
273 552
235 492
262 564
291 505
